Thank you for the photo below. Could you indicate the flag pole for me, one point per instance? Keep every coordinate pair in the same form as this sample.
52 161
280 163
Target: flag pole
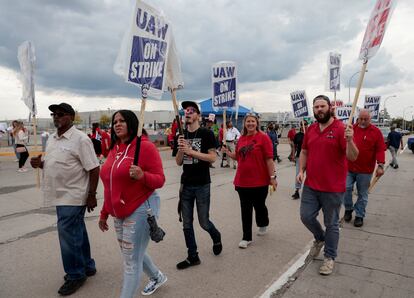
35 149
144 95
360 80
177 115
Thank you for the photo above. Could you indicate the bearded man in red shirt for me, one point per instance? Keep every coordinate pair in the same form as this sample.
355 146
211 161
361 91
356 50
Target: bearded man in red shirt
326 147
370 143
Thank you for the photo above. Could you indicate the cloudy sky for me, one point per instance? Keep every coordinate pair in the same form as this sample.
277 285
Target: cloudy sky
279 46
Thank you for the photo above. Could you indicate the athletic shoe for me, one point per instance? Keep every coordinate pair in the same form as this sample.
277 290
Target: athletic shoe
190 261
316 249
348 215
262 231
327 266
22 170
154 284
71 286
244 243
396 166
296 195
358 222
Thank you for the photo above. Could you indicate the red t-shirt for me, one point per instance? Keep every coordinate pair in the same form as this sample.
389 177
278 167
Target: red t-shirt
122 195
251 154
291 134
326 165
370 144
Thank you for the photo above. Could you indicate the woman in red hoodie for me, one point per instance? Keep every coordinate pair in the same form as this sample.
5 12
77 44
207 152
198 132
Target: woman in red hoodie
129 191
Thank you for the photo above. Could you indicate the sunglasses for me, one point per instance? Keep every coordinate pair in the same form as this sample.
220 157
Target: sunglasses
190 110
58 114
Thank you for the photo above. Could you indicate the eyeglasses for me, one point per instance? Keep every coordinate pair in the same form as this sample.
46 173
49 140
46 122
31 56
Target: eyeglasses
190 110
59 114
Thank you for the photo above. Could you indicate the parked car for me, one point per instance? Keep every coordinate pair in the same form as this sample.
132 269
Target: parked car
410 144
385 131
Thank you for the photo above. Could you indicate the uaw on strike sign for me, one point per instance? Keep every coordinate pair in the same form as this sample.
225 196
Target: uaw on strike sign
372 103
224 79
299 104
148 47
376 27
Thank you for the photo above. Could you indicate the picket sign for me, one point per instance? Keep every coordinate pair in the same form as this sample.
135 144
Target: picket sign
373 37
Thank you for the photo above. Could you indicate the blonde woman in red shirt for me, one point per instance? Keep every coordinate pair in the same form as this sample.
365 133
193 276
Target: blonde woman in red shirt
129 191
254 154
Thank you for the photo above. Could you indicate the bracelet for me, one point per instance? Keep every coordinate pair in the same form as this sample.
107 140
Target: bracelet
273 177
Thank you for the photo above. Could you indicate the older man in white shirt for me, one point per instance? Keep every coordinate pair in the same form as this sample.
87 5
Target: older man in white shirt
232 135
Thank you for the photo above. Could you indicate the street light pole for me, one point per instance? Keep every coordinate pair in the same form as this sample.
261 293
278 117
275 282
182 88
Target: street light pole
385 102
349 85
406 108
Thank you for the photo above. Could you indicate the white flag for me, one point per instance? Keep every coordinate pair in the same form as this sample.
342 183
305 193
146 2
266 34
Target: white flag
26 57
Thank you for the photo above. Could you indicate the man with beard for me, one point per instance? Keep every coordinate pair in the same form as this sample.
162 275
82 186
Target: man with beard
326 146
71 173
196 151
370 143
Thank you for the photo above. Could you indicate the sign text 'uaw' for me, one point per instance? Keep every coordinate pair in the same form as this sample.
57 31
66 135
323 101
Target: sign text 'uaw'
372 103
299 104
224 80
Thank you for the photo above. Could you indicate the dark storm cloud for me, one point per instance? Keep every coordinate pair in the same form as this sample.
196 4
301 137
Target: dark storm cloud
77 41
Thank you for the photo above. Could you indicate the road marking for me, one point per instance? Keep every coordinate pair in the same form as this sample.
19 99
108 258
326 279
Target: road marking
297 262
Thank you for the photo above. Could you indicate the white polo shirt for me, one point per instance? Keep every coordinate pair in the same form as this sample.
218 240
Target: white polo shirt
67 163
232 134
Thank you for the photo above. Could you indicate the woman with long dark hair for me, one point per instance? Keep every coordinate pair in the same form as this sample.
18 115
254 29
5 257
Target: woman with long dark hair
129 195
254 154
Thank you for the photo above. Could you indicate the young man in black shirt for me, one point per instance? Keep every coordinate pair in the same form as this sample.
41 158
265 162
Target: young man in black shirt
297 142
196 151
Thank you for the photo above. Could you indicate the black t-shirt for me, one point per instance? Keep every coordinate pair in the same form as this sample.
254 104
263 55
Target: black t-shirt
298 140
195 171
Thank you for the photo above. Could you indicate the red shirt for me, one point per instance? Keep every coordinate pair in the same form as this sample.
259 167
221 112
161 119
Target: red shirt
291 134
326 166
251 154
370 144
122 195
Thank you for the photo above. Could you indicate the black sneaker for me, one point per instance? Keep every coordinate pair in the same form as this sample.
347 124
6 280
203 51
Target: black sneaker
190 261
217 246
296 195
396 167
88 273
71 286
358 222
348 215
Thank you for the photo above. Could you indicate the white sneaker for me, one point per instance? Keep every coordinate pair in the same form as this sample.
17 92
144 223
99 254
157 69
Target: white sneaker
262 231
22 170
327 266
154 284
244 243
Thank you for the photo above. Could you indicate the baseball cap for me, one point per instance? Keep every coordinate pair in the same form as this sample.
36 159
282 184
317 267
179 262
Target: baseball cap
186 104
64 107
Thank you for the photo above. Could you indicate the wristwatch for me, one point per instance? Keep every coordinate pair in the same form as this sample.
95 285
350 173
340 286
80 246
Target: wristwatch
273 177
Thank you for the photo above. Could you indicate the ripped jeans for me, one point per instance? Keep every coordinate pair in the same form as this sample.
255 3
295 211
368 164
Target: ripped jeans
133 237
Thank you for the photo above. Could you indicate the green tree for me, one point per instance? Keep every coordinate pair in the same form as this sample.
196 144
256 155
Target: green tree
105 121
78 119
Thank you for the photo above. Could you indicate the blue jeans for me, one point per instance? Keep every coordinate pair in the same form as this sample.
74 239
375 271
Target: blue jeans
362 183
201 195
297 184
133 237
74 241
330 203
